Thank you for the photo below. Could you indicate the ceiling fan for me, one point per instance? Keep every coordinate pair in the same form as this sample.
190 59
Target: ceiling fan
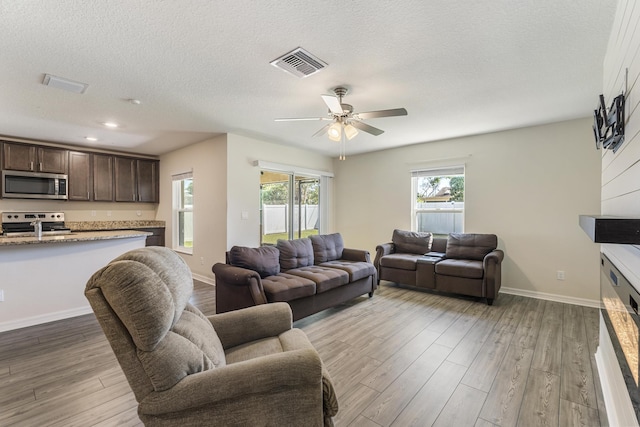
345 121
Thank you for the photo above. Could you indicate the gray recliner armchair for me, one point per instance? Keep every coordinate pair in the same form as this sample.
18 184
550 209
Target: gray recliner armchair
247 367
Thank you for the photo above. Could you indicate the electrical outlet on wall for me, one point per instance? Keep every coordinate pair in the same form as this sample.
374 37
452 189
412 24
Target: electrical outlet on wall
1 295
201 260
560 275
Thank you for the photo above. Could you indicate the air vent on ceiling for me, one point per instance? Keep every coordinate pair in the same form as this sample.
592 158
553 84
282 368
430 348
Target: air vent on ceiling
299 62
64 84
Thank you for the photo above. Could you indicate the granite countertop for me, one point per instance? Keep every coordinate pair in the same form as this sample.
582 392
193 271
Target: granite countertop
112 225
74 237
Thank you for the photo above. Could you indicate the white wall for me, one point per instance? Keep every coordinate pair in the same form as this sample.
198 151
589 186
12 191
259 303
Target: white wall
243 182
621 171
511 180
207 160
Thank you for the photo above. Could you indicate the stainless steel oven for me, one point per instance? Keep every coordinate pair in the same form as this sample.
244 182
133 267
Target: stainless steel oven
619 306
34 185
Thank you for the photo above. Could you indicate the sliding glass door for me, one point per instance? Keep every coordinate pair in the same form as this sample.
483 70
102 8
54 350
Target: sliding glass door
289 206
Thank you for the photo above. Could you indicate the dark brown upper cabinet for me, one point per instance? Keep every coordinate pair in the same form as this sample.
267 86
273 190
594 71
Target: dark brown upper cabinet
26 157
79 176
148 176
103 177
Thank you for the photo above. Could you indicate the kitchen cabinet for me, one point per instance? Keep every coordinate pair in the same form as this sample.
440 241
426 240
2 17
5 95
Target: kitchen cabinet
157 238
79 179
27 157
102 177
136 180
147 175
125 179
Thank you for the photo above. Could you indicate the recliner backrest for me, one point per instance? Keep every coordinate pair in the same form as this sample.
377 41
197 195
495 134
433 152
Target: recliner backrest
141 300
470 246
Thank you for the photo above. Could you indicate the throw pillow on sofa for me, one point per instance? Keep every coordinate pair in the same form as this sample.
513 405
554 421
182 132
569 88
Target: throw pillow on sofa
295 253
412 242
327 247
264 260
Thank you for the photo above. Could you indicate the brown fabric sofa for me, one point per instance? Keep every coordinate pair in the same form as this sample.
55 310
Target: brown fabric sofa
467 264
310 274
248 367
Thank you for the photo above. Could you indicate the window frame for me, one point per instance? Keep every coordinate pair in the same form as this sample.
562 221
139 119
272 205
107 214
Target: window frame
178 210
446 171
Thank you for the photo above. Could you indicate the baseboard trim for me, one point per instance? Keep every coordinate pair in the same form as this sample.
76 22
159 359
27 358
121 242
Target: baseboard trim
205 279
551 297
43 318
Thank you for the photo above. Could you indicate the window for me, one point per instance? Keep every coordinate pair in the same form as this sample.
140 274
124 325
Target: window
183 212
438 200
289 206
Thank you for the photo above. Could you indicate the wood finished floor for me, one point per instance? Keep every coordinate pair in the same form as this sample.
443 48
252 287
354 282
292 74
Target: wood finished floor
404 357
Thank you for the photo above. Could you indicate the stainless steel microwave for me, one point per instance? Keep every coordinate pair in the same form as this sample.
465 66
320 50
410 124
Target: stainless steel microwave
34 185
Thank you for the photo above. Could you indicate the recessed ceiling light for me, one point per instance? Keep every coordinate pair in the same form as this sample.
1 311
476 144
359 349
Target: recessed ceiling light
110 124
91 138
135 101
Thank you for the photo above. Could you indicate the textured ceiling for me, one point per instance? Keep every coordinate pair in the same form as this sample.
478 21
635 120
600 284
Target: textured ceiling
201 68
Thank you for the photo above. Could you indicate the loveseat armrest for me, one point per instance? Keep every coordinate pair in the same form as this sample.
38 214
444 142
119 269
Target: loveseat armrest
382 250
242 381
356 255
496 256
492 265
252 323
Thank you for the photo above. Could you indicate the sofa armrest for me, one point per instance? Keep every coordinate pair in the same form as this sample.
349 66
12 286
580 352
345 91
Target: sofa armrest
356 255
252 323
382 250
229 280
300 369
492 265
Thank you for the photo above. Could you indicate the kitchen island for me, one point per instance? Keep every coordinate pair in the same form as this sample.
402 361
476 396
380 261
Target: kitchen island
43 280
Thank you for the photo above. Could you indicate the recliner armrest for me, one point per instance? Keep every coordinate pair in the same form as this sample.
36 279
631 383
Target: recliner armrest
356 255
252 323
262 375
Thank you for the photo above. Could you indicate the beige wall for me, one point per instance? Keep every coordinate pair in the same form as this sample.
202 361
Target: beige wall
621 170
243 183
528 186
226 183
207 160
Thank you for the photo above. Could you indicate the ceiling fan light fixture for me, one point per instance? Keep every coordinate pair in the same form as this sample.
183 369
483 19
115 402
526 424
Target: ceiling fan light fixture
335 131
350 132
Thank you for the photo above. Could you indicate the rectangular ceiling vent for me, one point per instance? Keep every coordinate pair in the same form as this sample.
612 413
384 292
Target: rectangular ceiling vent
299 62
64 84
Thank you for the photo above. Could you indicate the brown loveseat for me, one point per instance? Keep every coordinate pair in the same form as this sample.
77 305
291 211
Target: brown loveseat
309 274
467 264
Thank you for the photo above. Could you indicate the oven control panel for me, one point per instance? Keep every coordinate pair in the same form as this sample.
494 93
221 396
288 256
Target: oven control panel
14 217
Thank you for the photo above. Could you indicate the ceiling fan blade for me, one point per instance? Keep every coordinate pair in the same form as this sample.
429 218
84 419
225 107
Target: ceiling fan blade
366 128
381 113
297 119
322 131
333 103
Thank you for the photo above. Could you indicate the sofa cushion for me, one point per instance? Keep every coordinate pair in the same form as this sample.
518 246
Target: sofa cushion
400 261
295 253
324 278
263 260
470 246
471 269
327 247
285 287
412 242
356 269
